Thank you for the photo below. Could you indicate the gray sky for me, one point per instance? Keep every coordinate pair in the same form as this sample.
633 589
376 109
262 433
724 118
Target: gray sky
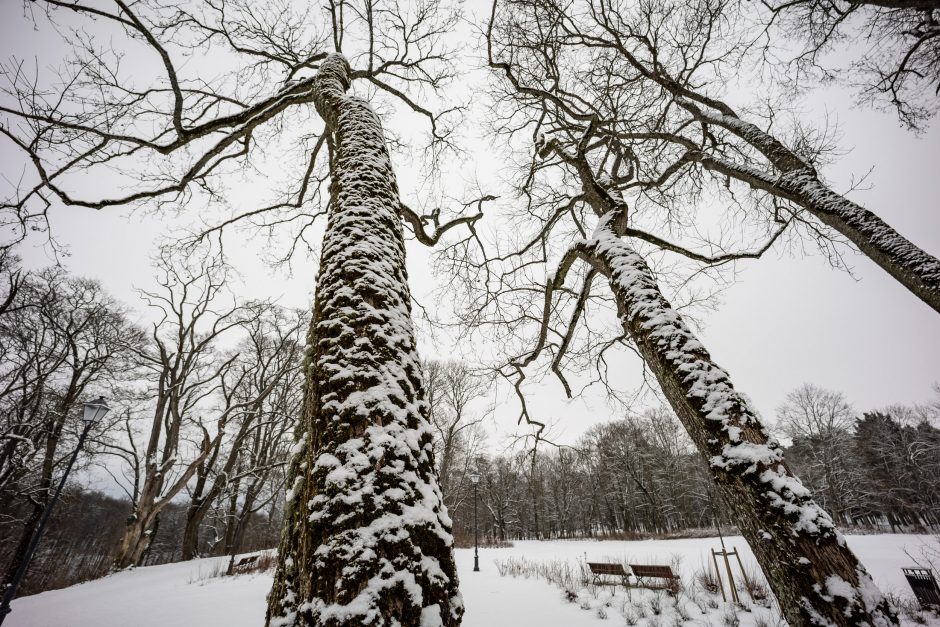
786 321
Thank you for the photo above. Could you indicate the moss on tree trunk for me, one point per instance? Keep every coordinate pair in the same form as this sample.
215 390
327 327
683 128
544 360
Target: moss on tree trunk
367 538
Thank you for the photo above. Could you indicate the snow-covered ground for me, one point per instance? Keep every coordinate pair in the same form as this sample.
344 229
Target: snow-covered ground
187 593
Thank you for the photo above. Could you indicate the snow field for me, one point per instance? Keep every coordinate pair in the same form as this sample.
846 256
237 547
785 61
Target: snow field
189 594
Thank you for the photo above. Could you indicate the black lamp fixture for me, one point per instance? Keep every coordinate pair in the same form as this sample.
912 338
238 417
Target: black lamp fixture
93 411
475 480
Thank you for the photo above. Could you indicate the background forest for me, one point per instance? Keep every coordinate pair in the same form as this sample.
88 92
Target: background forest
191 458
514 217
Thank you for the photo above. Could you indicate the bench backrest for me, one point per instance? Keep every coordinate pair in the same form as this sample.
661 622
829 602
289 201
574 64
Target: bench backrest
642 570
245 561
607 569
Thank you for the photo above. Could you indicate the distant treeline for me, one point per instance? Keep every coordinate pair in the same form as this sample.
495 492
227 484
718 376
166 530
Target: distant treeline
204 401
78 545
640 476
628 478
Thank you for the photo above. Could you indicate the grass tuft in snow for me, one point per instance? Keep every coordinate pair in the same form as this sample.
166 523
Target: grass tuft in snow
753 585
638 607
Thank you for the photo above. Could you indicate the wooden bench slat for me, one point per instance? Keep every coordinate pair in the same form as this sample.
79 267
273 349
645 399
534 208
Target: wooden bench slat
643 573
644 570
615 570
606 569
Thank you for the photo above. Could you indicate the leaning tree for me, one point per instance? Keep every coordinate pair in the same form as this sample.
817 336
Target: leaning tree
681 119
605 101
191 103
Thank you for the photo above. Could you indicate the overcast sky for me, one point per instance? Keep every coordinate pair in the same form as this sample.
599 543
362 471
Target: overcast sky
787 320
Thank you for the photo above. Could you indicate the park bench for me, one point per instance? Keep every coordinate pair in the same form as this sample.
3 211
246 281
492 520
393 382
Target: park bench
602 571
655 578
245 563
924 586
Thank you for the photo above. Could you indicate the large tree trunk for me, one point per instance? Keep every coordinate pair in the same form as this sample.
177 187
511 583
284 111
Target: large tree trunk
195 515
366 537
816 578
135 540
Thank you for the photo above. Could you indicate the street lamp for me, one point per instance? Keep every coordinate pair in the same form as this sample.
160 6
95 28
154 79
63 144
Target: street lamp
93 412
475 479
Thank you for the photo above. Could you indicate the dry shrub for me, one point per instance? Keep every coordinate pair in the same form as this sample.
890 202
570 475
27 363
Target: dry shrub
656 604
557 572
729 617
753 583
262 562
630 616
708 581
216 568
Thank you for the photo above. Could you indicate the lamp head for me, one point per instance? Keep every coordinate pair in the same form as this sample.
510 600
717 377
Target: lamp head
474 477
95 410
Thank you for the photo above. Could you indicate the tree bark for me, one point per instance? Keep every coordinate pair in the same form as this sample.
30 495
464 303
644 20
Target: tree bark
195 515
134 542
815 576
366 538
913 267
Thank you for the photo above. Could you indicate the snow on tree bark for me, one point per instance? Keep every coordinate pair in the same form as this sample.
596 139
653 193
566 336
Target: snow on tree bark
799 182
367 538
815 576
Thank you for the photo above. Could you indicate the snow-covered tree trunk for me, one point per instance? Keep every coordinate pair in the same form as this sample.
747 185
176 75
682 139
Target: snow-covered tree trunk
815 576
367 538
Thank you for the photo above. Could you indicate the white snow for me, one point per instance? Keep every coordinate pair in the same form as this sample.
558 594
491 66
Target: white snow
370 504
184 595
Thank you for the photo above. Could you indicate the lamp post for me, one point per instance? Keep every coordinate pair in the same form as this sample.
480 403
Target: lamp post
93 412
475 479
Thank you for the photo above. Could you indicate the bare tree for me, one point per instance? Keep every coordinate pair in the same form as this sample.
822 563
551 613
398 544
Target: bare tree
451 388
170 137
898 63
666 140
13 277
811 411
264 362
61 338
821 421
593 85
181 369
179 133
259 480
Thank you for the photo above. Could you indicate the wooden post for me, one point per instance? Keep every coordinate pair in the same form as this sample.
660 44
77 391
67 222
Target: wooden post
734 590
721 585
